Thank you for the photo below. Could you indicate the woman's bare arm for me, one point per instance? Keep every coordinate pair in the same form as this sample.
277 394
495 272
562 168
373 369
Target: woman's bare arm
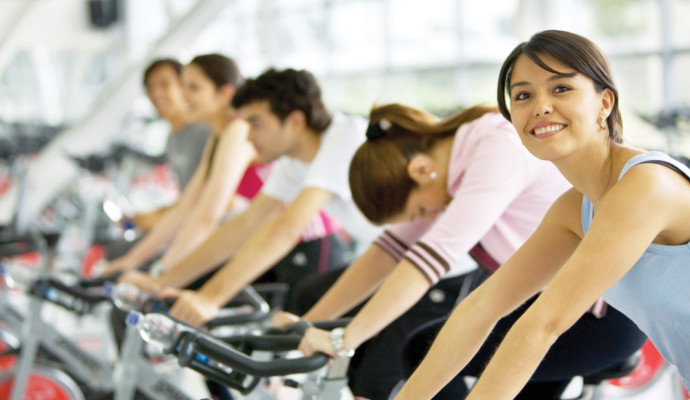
630 217
233 155
523 275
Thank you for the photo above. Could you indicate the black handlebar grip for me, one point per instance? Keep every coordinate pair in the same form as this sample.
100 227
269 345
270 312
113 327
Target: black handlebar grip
264 342
301 326
225 354
248 297
332 323
12 244
189 358
99 281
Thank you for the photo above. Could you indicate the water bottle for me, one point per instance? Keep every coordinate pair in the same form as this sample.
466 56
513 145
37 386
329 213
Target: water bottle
125 296
163 332
156 328
129 229
128 297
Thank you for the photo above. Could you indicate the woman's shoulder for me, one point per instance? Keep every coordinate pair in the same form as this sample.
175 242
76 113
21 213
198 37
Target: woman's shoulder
236 131
566 211
236 126
651 167
654 181
656 188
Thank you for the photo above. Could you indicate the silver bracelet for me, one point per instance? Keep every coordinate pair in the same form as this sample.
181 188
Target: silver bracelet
156 269
339 343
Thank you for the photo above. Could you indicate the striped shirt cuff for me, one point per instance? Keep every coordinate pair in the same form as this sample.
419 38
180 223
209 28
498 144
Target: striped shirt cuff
428 261
392 245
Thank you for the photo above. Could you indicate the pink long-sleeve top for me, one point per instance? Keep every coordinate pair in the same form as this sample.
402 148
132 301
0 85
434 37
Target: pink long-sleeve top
500 193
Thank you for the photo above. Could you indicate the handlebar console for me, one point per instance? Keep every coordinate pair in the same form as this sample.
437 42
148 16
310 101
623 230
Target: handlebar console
227 360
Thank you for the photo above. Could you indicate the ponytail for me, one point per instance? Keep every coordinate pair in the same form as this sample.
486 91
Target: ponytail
379 180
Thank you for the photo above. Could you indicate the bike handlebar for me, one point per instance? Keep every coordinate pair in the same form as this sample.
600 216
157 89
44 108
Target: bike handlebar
69 297
281 339
96 163
247 297
99 281
667 118
225 354
212 357
79 299
12 244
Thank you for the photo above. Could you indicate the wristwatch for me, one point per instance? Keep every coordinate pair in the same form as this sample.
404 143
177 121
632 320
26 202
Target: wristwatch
339 344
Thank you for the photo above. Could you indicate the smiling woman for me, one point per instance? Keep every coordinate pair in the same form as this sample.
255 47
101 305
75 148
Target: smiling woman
620 232
545 104
569 59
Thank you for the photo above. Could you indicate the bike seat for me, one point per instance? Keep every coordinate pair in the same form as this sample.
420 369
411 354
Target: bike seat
624 368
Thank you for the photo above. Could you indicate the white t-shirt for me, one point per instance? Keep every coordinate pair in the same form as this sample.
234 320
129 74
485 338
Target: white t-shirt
328 171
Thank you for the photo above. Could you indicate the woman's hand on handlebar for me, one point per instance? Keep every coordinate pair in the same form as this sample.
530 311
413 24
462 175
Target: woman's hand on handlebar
116 265
142 280
283 319
316 341
192 307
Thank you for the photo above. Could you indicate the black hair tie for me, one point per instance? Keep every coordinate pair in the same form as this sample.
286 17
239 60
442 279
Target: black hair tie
377 130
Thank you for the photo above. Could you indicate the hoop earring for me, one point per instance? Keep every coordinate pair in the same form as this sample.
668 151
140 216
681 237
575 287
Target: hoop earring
602 123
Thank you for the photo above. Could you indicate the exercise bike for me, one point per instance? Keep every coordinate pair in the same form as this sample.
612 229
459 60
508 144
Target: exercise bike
243 362
48 358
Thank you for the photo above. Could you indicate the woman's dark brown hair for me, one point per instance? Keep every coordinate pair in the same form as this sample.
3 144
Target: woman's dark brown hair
161 62
219 69
379 180
573 50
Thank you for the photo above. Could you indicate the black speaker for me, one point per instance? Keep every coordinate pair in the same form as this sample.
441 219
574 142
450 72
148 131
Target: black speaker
103 13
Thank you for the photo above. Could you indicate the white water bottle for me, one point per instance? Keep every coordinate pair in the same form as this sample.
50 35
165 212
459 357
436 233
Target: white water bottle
155 328
125 296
